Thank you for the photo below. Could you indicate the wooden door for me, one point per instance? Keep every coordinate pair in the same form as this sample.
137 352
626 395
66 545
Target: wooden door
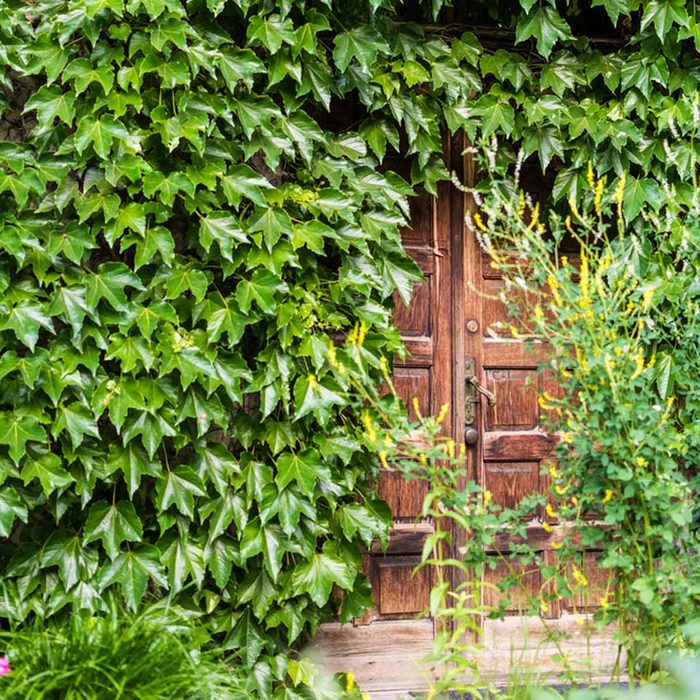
452 323
386 647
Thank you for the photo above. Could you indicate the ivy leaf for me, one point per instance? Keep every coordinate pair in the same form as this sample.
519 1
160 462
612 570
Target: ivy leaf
16 430
51 102
11 507
317 576
303 469
25 320
156 240
400 274
223 229
663 14
246 638
546 25
134 464
179 487
640 192
271 31
363 44
109 284
77 420
99 133
311 396
48 470
112 525
273 222
260 288
132 570
75 562
242 181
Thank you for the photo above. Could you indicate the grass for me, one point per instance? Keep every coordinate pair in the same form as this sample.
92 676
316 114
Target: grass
152 655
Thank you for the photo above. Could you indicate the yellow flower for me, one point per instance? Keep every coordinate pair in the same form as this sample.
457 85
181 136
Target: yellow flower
544 608
553 471
604 602
331 356
590 176
599 188
557 545
487 497
546 526
620 191
349 681
561 490
578 576
362 332
431 693
416 406
423 459
382 459
641 462
312 382
479 222
648 297
367 421
550 511
574 500
451 448
608 495
443 412
535 217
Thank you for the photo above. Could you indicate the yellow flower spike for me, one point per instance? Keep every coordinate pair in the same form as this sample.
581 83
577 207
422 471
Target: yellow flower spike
574 500
550 511
608 495
590 175
416 407
639 365
370 429
313 384
362 332
479 222
544 608
579 577
352 337
521 204
648 297
443 412
572 206
599 189
332 360
546 526
349 681
423 459
564 260
383 460
487 497
539 314
553 472
620 191
451 448
604 602
534 218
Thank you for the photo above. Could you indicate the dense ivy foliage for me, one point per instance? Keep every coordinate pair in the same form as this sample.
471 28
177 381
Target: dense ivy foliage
184 238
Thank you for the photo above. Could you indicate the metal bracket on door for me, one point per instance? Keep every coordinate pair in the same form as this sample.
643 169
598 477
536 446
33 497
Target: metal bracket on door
472 389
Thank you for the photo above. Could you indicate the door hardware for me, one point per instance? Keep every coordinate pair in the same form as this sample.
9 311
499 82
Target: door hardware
472 389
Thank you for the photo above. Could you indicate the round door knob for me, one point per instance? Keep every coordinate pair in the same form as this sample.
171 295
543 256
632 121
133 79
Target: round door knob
471 436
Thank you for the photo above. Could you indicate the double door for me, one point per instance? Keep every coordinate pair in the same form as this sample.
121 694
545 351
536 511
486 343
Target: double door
456 332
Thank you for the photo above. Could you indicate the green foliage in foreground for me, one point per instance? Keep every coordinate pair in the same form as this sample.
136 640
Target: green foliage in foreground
154 655
184 240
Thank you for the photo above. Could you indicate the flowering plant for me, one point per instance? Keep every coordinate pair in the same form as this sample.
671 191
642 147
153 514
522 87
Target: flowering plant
613 290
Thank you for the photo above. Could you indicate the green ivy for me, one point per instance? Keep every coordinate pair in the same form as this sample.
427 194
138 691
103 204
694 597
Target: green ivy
187 233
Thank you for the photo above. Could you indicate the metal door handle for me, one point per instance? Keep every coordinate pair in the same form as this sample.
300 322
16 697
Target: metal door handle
490 396
472 389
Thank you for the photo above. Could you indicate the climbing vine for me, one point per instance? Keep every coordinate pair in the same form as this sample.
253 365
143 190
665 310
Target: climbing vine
197 207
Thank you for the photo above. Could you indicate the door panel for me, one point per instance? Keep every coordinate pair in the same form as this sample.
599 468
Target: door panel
455 322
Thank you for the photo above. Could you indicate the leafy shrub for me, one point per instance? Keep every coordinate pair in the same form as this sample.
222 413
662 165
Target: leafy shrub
154 655
623 326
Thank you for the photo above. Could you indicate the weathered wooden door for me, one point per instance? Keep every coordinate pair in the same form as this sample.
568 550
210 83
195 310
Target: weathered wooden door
452 332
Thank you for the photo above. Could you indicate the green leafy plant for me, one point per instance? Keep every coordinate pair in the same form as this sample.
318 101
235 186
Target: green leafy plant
619 313
156 654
